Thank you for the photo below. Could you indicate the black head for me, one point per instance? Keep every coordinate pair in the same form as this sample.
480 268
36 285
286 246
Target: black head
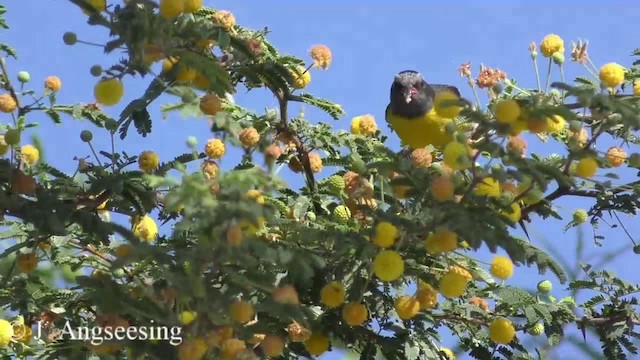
411 96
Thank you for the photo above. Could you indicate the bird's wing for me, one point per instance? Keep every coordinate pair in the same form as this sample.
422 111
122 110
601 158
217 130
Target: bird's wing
440 88
386 116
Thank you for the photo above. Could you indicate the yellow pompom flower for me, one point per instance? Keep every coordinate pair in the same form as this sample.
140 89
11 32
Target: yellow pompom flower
551 44
210 104
249 137
272 346
443 109
241 311
317 344
448 353
507 111
192 349
388 265
354 314
321 55
214 148
462 272
333 294
385 234
187 317
355 125
616 156
489 187
148 161
225 18
171 8
427 296
7 103
230 348
145 228
587 167
192 5
406 307
453 284
29 154
555 124
255 195
514 214
98 5
501 267
301 77
442 188
52 83
456 156
6 332
612 74
108 91
501 331
636 88
441 241
366 125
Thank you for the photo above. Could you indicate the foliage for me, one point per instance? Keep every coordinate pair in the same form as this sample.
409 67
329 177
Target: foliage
241 233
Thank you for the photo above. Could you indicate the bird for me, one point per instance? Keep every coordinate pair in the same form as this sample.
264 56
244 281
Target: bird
411 112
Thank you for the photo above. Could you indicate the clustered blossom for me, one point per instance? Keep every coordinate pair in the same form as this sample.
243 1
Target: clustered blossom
489 77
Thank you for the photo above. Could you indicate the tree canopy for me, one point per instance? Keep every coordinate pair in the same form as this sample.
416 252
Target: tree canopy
252 268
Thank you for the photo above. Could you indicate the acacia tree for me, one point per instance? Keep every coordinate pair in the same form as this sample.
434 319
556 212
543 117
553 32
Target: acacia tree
253 269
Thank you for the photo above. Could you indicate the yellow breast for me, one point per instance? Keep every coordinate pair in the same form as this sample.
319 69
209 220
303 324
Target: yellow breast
419 132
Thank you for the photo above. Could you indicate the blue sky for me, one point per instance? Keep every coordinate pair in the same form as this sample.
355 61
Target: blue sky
371 41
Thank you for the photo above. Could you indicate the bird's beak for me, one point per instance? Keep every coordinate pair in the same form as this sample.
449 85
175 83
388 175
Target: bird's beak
407 97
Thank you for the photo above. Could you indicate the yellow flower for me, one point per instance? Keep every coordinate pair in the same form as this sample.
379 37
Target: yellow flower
225 19
518 126
616 156
184 74
192 349
272 346
587 167
453 284
333 294
171 8
612 74
232 347
488 187
355 124
255 195
22 332
210 104
501 267
507 111
462 272
7 103
250 228
501 331
52 83
148 161
388 265
442 188
26 263
555 124
366 125
214 148
6 332
315 162
249 137
321 56
301 77
427 296
241 311
108 91
448 353
456 156
406 307
317 344
636 87
187 317
551 44
385 235
145 228
514 214
99 5
354 314
123 250
192 5
441 241
446 111
30 154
